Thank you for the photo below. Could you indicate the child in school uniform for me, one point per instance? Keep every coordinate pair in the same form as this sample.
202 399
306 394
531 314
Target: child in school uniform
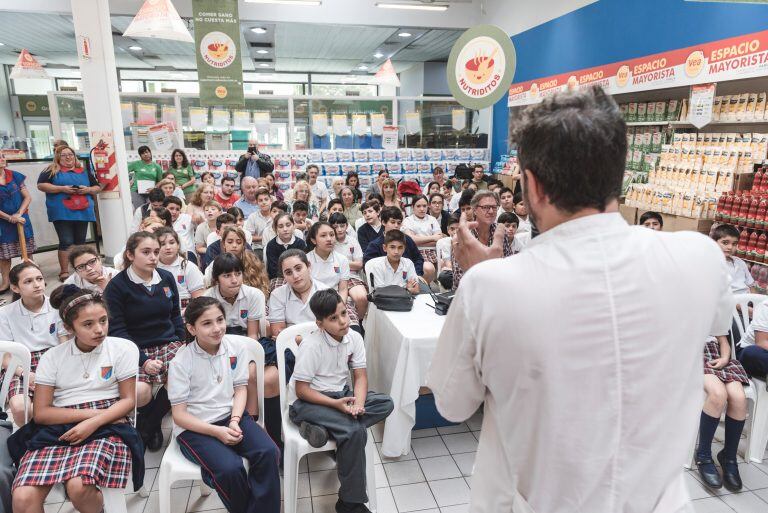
652 220
285 239
324 405
211 210
511 224
393 268
425 231
32 321
208 390
90 273
172 258
372 227
724 380
278 208
243 305
257 221
144 308
182 223
237 214
727 237
350 248
521 211
443 250
235 241
85 389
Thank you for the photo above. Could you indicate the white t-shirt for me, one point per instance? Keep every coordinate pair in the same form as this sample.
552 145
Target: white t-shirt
186 230
256 223
759 323
206 383
453 205
285 306
443 250
319 190
38 331
79 377
351 249
330 271
201 233
741 279
248 306
424 227
383 273
324 362
188 278
524 226
77 281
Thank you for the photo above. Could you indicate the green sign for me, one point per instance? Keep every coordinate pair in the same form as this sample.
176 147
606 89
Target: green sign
34 106
481 66
217 41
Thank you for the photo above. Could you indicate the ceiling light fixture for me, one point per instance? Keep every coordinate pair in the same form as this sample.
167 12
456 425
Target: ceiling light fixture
135 48
405 34
285 2
362 67
263 65
259 30
378 55
2 44
262 52
413 7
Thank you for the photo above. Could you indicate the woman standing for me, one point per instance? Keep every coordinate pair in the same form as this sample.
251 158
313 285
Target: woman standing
183 173
69 191
144 173
14 203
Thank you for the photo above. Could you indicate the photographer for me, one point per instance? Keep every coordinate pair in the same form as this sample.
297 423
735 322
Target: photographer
253 162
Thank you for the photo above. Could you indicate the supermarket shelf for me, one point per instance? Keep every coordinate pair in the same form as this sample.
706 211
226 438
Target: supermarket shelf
753 261
649 123
689 124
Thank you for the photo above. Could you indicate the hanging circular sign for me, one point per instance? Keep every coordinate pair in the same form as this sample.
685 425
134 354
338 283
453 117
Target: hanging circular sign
481 66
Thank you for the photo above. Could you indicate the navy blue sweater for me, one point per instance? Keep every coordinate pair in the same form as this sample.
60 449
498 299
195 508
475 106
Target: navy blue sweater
376 249
366 233
148 318
273 252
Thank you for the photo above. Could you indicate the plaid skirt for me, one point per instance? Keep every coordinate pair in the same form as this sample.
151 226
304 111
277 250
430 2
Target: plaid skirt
17 383
9 250
105 463
165 353
354 282
430 255
731 372
275 282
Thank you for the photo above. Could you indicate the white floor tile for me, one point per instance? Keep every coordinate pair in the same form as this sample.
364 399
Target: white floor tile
468 479
452 430
465 461
303 505
323 482
423 433
324 504
450 492
179 500
746 502
378 432
763 494
135 503
56 495
404 472
303 465
320 461
303 488
197 502
463 442
385 502
460 508
429 447
381 477
67 508
53 507
152 459
441 467
475 422
696 490
413 497
711 505
384 459
752 477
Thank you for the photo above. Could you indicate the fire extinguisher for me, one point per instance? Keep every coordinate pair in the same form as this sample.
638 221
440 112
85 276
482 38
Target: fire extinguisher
100 161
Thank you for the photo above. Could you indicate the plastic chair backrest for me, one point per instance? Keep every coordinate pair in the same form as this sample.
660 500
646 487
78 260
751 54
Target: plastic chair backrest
255 355
287 340
741 313
20 357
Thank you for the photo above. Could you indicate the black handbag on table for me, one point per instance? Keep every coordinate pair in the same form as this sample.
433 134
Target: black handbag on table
391 298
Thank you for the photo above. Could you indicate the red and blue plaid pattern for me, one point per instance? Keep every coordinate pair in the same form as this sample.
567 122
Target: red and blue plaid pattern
429 255
17 384
731 372
105 463
165 353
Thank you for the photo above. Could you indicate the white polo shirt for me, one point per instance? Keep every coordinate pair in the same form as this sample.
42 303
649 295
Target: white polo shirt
186 231
269 233
256 224
188 276
324 363
423 227
201 233
138 281
65 368
285 306
329 271
37 331
206 383
525 225
248 306
76 280
351 249
741 279
384 274
213 237
759 323
443 250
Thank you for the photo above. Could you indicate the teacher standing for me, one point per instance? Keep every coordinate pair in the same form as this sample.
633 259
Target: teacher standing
585 347
69 190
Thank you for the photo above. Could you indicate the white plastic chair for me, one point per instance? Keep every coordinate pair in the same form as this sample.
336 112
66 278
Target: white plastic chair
295 447
20 357
175 467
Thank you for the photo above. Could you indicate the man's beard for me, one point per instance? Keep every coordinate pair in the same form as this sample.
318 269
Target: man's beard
527 202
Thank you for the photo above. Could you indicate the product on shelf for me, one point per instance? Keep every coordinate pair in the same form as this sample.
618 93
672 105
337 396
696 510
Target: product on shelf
741 107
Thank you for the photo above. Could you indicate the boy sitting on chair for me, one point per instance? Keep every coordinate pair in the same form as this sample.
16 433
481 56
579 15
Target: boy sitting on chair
326 405
393 268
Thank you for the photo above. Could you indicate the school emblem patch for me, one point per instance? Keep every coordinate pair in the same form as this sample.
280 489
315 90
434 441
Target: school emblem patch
180 278
167 291
405 275
351 250
52 328
106 372
336 269
243 314
232 362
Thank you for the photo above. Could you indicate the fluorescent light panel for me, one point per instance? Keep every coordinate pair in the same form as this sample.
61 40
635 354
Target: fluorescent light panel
285 2
413 7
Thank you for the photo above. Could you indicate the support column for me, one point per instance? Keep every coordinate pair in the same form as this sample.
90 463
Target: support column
102 111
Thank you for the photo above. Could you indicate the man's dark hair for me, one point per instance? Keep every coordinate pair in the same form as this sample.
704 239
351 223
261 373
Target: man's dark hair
478 166
575 144
301 206
228 179
466 198
223 219
652 215
725 230
156 195
388 213
172 199
310 166
324 303
280 205
142 149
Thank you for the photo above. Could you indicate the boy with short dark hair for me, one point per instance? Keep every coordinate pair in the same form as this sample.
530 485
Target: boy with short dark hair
299 215
214 250
211 210
443 250
511 223
372 227
259 220
325 406
226 196
521 211
727 237
392 219
182 223
155 198
652 220
392 269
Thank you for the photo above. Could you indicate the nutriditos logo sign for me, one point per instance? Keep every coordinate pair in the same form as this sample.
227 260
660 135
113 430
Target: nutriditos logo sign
217 49
481 66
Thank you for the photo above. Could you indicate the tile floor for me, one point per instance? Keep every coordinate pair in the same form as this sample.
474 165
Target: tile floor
435 477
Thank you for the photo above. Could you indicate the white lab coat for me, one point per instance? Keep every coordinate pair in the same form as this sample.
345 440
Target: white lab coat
587 351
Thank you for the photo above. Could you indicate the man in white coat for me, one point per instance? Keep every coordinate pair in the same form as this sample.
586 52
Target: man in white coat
586 347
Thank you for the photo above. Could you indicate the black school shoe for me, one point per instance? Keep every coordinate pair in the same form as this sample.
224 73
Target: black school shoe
317 436
709 474
350 507
731 477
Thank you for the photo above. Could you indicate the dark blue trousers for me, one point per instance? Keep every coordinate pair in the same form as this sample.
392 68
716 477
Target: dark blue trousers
222 467
754 359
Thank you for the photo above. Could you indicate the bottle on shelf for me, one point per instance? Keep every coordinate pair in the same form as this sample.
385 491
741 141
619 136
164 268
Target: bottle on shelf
752 246
762 210
728 207
752 213
757 184
744 209
741 248
762 240
762 277
735 208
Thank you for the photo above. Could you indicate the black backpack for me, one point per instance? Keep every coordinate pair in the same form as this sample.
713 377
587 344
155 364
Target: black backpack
391 299
463 172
